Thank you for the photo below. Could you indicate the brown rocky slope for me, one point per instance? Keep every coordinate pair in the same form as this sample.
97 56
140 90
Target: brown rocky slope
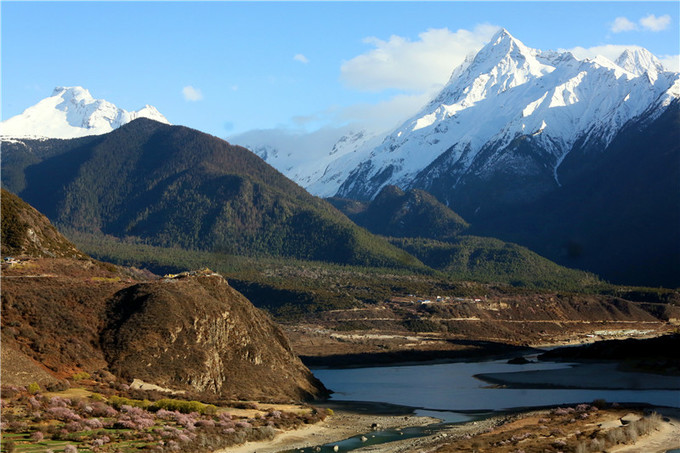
26 232
62 316
195 331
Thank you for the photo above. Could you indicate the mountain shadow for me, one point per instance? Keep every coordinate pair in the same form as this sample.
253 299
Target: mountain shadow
418 223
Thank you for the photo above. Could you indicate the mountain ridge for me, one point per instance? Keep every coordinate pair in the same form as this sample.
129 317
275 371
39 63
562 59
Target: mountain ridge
507 92
175 186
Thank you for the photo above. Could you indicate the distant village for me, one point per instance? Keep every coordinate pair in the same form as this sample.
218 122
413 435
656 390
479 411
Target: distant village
413 299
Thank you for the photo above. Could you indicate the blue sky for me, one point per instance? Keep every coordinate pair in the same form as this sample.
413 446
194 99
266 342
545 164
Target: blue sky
229 67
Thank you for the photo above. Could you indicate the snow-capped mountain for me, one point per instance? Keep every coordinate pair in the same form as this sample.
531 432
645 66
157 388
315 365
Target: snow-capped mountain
309 159
515 111
72 112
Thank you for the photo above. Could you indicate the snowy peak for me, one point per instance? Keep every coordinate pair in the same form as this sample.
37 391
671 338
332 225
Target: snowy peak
510 94
502 64
507 61
72 112
639 61
76 93
501 46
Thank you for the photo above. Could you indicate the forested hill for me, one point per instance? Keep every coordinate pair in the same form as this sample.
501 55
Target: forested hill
418 223
397 213
175 186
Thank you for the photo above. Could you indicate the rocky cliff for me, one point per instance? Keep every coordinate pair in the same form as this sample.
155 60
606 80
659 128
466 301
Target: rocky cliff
194 331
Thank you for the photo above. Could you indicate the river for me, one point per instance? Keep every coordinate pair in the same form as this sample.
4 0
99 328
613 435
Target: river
450 392
450 389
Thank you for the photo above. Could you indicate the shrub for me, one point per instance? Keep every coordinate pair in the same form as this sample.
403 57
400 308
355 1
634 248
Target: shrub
70 449
37 436
166 414
185 407
103 410
186 420
134 418
205 423
183 438
33 388
62 413
57 401
58 386
80 376
119 401
74 427
93 423
261 433
35 404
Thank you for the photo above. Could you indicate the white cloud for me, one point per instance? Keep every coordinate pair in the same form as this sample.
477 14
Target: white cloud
385 115
400 63
192 94
650 23
622 24
654 23
301 58
376 117
671 62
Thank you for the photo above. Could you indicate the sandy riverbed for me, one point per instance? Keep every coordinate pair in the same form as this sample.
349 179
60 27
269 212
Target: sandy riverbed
456 438
341 425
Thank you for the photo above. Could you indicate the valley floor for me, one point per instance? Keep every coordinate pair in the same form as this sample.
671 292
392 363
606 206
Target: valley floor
532 431
341 425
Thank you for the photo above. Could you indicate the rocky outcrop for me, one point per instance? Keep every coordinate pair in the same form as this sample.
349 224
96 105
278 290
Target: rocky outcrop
26 232
195 332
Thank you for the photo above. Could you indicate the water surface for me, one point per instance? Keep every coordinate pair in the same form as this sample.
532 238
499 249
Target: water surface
451 387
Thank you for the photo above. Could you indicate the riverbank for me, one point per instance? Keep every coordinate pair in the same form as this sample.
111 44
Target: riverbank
563 428
341 425
596 376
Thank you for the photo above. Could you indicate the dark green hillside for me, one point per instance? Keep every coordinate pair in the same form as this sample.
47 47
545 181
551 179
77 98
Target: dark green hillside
17 155
418 223
616 212
175 186
491 260
396 213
